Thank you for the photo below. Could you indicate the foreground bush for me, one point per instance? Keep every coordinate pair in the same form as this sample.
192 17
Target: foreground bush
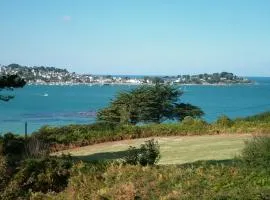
196 181
257 152
147 154
3 173
38 175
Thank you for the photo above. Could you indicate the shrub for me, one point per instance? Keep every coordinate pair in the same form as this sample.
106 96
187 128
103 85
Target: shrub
257 152
132 156
262 117
224 121
34 147
12 148
202 180
3 172
188 120
147 154
12 144
39 175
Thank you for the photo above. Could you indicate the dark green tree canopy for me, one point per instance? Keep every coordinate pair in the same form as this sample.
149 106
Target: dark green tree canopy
9 82
183 110
148 104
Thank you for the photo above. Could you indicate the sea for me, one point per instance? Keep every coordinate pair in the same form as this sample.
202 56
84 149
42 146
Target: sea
40 105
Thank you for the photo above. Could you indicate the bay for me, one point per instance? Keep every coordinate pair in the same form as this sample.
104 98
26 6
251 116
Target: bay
40 105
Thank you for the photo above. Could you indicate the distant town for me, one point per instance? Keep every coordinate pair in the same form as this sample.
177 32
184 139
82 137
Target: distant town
56 76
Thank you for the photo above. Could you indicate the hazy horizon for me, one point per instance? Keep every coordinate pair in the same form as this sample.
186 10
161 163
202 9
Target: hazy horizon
142 37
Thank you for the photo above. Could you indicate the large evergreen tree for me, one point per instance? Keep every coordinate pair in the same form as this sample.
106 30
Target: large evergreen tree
9 82
148 104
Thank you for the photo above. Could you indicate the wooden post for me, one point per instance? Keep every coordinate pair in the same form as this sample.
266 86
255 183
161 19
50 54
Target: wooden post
25 130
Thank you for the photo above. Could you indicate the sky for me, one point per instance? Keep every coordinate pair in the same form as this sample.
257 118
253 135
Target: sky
142 37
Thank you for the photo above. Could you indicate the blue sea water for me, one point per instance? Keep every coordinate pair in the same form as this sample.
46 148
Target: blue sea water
60 105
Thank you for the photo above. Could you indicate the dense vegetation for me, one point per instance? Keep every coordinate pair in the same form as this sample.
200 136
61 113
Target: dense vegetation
148 104
28 171
81 135
202 180
34 175
215 78
60 178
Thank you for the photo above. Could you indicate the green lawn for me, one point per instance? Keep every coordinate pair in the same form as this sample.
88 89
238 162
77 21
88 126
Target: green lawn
174 150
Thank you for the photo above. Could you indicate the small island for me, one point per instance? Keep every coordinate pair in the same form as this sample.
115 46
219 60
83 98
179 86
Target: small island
56 76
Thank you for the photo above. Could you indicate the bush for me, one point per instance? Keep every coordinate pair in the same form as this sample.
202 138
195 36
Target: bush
188 120
12 148
202 180
34 147
262 117
224 121
39 175
147 154
132 156
257 152
3 173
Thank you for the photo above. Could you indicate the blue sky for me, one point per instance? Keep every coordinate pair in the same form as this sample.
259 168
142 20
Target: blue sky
150 37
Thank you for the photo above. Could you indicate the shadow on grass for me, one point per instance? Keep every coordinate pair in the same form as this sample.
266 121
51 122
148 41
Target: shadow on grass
103 156
108 156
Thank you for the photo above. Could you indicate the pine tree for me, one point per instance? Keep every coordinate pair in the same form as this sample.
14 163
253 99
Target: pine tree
148 104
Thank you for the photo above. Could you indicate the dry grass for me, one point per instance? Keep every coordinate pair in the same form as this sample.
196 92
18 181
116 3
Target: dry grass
174 150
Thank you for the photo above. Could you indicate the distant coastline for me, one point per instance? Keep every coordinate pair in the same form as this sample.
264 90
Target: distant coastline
132 84
56 76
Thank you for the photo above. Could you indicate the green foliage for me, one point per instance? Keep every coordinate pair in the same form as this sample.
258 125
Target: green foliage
132 157
81 135
3 173
13 149
183 110
257 152
39 175
120 111
195 126
202 180
54 178
224 121
148 104
10 82
34 147
147 154
262 117
188 120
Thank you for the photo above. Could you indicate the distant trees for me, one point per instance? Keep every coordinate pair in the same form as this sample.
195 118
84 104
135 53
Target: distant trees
148 104
8 82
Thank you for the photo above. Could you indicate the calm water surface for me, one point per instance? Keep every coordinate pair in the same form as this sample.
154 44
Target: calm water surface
61 105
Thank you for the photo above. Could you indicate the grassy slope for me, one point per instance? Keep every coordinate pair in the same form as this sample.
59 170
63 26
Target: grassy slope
174 150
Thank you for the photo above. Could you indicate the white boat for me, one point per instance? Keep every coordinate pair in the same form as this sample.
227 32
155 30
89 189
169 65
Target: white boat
45 94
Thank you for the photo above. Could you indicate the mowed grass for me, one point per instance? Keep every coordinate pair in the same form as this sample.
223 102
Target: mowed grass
174 150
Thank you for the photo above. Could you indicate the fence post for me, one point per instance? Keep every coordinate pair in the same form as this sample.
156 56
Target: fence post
25 130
